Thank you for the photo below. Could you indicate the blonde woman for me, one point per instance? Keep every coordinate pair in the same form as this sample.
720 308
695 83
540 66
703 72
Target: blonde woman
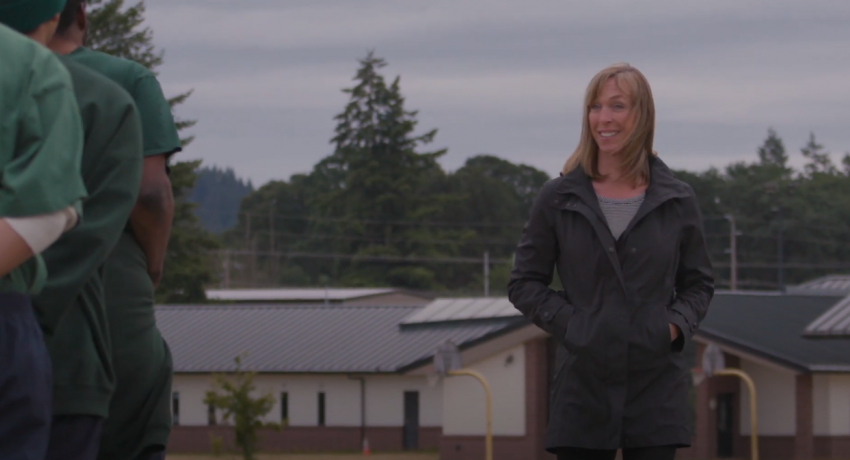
627 240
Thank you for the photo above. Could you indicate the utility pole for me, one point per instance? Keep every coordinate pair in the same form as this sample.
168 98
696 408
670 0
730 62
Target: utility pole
271 244
226 268
486 273
733 253
247 228
780 252
249 245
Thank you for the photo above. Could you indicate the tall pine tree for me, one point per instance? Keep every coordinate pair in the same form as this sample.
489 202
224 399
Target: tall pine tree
377 177
772 152
819 160
120 31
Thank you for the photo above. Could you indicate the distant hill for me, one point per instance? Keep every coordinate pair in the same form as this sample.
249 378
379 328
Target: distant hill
218 193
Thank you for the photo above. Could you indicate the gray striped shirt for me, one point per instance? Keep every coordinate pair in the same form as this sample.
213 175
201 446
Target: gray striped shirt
619 212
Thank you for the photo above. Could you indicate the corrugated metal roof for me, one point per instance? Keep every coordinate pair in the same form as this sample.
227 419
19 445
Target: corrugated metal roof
771 326
293 295
834 323
830 285
456 309
308 338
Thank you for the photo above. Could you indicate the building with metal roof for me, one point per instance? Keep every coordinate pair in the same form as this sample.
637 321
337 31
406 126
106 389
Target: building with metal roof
343 374
834 323
350 296
830 285
310 338
803 385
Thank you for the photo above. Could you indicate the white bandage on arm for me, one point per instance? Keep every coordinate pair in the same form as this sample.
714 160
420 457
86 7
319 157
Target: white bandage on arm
39 232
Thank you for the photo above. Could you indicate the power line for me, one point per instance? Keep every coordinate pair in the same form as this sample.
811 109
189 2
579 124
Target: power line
459 240
361 257
775 265
389 222
478 260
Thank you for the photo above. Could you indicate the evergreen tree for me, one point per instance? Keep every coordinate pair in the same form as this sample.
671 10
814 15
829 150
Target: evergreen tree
377 175
819 160
772 152
120 31
218 193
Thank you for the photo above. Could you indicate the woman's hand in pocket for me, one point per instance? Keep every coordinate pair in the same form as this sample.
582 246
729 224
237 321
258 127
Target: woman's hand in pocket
674 332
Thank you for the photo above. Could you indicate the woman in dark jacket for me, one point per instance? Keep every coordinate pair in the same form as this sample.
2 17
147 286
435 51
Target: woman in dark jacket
627 240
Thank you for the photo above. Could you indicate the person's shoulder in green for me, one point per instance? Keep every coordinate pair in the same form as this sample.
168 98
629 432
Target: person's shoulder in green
46 141
111 169
159 129
41 141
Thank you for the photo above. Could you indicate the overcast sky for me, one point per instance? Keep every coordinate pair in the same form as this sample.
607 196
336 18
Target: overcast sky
505 77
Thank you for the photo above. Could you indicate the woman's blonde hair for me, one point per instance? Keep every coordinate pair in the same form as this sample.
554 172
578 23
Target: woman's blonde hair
638 146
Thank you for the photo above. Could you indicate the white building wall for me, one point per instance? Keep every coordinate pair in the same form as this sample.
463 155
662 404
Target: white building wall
384 399
192 390
820 405
464 402
775 398
839 405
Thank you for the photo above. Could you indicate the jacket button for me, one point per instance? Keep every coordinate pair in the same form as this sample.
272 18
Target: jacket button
556 201
611 249
633 250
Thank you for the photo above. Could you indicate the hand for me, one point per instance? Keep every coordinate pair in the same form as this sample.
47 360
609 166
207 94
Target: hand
674 332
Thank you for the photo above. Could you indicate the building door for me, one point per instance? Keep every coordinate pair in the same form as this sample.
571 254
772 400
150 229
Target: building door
725 417
411 420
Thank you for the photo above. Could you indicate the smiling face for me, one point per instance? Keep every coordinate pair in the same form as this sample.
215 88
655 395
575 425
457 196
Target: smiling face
611 118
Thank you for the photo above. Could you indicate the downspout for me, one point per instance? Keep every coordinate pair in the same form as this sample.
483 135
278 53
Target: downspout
362 409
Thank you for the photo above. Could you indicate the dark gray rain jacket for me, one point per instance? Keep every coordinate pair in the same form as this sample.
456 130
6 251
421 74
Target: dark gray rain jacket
619 381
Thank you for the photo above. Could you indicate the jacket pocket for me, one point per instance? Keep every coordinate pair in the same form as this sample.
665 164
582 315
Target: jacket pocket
585 330
666 342
571 342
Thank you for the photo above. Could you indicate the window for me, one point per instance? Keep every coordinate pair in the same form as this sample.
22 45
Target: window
284 408
322 408
175 408
211 415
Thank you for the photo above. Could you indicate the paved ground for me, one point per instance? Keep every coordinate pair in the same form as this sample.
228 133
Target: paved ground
380 456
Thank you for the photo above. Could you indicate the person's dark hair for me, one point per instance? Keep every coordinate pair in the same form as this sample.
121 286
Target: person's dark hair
69 15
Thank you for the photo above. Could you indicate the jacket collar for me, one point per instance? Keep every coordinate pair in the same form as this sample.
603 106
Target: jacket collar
662 185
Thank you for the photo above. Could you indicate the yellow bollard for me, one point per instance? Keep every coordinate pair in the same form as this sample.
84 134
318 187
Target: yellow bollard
488 438
754 441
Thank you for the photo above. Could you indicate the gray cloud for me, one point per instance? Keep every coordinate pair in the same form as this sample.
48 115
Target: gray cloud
505 77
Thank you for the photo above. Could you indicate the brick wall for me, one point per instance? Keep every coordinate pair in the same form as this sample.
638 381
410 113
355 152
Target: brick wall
198 439
832 447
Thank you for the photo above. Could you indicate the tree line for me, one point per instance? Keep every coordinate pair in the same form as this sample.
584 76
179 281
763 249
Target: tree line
380 211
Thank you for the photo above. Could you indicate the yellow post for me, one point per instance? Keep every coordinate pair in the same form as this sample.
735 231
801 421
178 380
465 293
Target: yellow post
488 438
754 441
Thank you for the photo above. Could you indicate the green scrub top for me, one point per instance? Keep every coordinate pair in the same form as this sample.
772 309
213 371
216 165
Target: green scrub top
71 308
158 128
140 411
41 140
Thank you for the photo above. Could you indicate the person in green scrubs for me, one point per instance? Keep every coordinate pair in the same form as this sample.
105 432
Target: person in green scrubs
139 421
41 140
71 308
